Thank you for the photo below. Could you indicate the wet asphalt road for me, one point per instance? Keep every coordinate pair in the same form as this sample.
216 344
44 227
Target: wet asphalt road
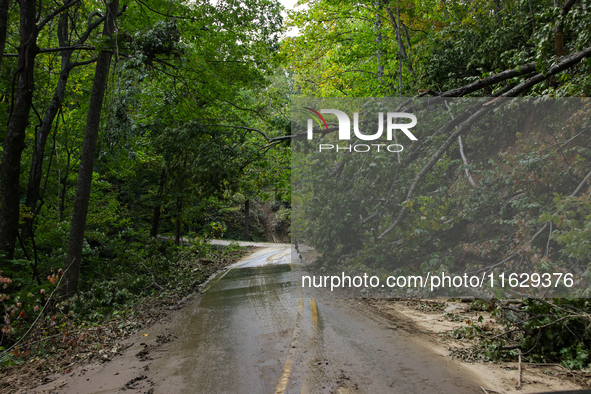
255 330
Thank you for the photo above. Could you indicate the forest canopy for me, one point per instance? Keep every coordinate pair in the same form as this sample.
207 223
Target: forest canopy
490 198
132 124
124 121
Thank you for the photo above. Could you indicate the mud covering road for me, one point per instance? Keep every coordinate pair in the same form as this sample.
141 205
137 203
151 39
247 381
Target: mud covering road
254 330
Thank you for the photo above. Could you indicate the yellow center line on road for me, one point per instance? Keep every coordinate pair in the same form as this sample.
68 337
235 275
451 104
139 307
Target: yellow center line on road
284 379
314 314
314 311
282 385
230 269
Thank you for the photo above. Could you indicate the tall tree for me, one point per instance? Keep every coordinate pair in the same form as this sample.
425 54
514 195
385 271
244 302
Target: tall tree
17 125
4 4
67 66
30 24
78 224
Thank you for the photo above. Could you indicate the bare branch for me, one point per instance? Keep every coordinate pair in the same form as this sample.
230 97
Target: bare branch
91 26
59 49
55 13
265 136
580 187
481 110
89 61
70 48
491 80
470 179
160 13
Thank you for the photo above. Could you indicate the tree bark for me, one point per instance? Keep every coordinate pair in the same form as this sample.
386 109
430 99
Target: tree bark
246 218
63 183
559 33
397 27
52 110
177 225
157 208
15 134
77 227
41 138
402 54
465 160
379 40
155 221
3 26
406 35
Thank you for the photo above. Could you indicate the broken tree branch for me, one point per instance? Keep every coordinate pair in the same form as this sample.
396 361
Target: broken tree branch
580 187
481 110
470 179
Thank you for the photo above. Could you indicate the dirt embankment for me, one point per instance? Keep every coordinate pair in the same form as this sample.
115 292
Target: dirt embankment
450 329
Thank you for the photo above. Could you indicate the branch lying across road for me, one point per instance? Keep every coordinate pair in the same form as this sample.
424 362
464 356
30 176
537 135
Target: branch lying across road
510 91
481 110
491 80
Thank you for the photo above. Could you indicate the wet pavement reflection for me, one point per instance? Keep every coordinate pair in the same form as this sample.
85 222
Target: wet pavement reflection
255 330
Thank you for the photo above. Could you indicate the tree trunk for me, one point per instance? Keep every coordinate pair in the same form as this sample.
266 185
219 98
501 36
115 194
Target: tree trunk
379 40
559 34
157 209
18 121
41 137
63 185
405 30
155 221
246 218
398 24
177 227
3 26
77 227
402 55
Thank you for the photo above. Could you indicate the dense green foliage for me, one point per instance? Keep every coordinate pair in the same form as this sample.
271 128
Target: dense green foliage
195 122
124 276
193 100
517 199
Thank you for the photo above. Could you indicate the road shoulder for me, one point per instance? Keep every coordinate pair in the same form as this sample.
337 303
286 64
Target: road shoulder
435 323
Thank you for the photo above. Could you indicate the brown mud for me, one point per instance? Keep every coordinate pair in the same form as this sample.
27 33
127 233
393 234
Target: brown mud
436 321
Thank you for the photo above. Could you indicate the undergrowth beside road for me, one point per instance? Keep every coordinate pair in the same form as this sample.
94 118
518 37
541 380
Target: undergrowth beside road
541 331
496 332
126 286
